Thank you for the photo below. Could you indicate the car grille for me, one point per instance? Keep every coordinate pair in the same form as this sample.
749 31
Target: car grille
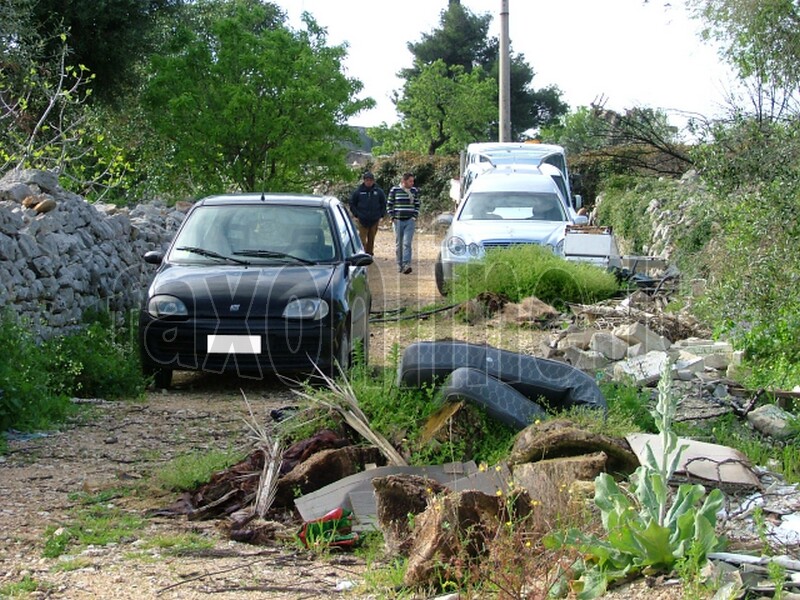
182 346
492 244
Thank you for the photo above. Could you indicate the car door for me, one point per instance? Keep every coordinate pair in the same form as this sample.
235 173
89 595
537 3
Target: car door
359 298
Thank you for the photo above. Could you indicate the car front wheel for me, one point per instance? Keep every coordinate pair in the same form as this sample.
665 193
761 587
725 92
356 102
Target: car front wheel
344 353
162 378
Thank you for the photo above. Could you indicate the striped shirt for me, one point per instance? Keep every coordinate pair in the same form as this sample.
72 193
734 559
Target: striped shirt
403 203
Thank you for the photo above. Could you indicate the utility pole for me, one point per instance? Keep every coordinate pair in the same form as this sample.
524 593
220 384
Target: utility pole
505 76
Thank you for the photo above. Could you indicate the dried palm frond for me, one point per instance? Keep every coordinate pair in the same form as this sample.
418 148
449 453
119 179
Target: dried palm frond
346 404
271 447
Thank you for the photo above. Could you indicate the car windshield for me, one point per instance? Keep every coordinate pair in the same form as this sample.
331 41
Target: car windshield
255 234
486 206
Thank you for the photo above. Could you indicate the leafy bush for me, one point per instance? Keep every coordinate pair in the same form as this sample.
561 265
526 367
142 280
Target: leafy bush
529 270
38 379
27 401
98 361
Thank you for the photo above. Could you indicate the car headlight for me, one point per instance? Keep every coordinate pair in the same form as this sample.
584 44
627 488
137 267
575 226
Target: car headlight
163 305
474 249
306 308
456 246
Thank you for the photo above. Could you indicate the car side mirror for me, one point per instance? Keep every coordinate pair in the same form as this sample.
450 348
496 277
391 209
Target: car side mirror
578 201
362 259
154 257
581 220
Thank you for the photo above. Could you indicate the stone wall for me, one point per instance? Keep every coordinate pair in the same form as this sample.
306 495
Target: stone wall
61 256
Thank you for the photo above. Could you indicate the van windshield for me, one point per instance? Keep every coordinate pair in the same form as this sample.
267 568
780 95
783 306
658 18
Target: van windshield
487 206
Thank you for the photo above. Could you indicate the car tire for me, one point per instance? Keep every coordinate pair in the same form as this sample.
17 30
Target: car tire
344 353
162 378
438 271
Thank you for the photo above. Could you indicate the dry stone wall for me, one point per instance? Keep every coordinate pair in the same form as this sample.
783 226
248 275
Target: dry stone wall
61 256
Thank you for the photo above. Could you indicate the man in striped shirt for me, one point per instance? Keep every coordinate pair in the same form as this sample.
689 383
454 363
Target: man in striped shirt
403 208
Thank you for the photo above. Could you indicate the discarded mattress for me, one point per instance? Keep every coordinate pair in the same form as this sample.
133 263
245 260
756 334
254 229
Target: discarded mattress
500 400
561 385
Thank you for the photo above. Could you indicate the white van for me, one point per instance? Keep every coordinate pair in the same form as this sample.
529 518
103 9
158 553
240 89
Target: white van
549 158
502 208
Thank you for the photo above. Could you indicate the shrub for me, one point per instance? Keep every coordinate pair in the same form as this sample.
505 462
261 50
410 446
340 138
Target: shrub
529 270
100 361
27 401
38 379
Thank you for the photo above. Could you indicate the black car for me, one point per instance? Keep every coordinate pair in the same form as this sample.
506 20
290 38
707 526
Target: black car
256 284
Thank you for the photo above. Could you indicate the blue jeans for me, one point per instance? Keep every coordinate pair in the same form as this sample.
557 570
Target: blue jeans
403 236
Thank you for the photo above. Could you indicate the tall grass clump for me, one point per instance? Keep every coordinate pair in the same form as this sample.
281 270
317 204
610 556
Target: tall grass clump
530 270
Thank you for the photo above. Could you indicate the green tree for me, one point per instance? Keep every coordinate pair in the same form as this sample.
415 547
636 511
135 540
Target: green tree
443 110
247 103
108 37
462 41
761 40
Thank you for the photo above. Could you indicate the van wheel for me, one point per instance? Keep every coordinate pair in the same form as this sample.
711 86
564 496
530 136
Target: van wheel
438 271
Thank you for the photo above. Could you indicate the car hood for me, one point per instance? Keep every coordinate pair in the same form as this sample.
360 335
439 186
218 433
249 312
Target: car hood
539 232
234 291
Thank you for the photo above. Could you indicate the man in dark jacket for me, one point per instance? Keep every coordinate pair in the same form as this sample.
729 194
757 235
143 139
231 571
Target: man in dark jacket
368 207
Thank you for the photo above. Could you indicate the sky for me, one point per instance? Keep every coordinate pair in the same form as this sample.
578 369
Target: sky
622 53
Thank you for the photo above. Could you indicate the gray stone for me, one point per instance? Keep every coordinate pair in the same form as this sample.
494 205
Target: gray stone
609 345
772 420
638 333
585 360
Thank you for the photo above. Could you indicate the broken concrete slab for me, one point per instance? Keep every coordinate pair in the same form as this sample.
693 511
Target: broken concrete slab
396 499
578 339
454 528
642 370
549 478
638 333
585 360
609 345
702 462
337 493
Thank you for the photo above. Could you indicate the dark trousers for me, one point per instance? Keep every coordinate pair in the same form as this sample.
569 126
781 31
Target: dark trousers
367 235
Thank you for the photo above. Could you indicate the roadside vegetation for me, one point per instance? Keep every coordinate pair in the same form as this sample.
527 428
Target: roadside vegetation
115 125
39 378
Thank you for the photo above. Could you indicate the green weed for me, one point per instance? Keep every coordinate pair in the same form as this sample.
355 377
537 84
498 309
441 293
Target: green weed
188 471
180 544
96 525
19 589
98 361
647 527
28 401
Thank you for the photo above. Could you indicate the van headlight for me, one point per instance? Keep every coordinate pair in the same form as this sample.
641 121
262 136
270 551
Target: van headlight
456 246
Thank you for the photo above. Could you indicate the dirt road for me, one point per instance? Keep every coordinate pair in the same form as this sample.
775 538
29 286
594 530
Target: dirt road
122 443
